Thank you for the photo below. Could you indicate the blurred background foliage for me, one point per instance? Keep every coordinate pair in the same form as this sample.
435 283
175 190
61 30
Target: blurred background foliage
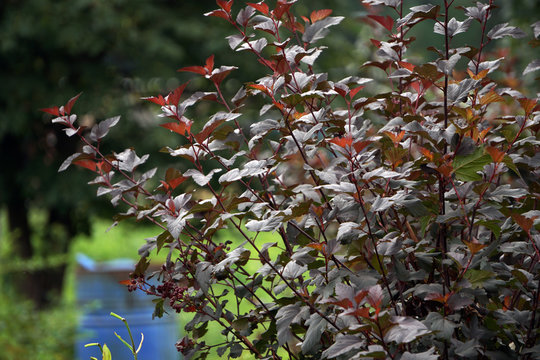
116 51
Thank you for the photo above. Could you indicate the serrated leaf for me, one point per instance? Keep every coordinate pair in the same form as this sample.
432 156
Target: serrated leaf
458 92
267 225
293 270
102 129
239 254
203 274
502 30
386 21
128 160
319 29
446 66
454 27
200 178
405 330
284 318
313 335
466 167
478 277
443 327
343 345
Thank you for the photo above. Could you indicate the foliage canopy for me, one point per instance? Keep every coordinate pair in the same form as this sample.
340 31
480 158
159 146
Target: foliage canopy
405 215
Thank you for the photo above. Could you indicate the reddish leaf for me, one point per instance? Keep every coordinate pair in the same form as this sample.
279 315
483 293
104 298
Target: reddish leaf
438 297
207 131
225 5
174 96
342 141
125 282
375 297
416 86
355 91
474 247
104 166
385 21
362 312
316 246
155 99
260 6
177 181
70 103
496 154
218 75
491 97
343 303
209 64
360 145
341 90
320 14
194 69
219 13
281 8
86 163
179 128
527 104
445 169
174 178
259 87
525 223
482 74
376 42
396 138
52 110
406 65
428 154
360 296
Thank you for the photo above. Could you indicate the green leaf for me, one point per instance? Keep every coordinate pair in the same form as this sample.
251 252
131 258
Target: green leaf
106 353
124 341
240 324
466 167
478 277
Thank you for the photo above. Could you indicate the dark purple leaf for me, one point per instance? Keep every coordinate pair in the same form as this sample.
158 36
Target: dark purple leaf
102 129
342 345
319 29
405 330
502 30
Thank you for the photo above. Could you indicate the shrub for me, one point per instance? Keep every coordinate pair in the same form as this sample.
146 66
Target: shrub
26 333
404 215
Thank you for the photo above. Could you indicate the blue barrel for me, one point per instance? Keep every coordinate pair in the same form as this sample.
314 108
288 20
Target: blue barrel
99 293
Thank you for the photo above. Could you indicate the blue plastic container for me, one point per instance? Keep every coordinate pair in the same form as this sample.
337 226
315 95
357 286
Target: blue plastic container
99 293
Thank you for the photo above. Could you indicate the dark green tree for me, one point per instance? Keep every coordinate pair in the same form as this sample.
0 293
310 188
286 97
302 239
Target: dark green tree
50 50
